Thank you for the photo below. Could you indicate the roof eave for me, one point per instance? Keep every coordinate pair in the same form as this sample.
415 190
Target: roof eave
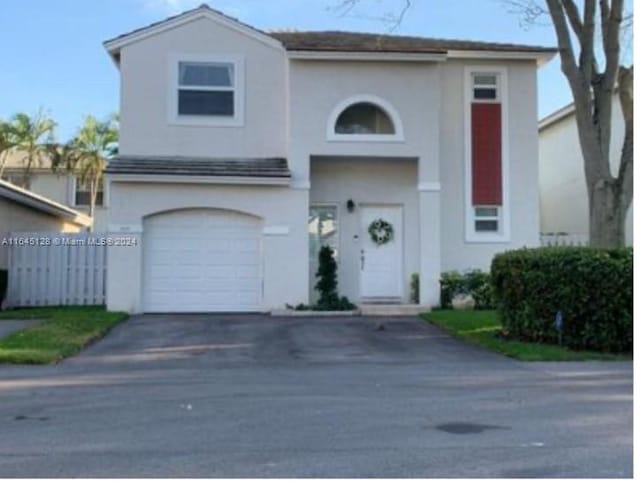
366 55
44 205
541 57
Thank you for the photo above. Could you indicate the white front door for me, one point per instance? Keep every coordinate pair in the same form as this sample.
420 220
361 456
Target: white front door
381 265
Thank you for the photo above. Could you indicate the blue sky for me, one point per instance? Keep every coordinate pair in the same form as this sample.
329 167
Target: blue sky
53 55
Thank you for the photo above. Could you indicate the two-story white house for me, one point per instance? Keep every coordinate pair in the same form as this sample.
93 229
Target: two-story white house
242 152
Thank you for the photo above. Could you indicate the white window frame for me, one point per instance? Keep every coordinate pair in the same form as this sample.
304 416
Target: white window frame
336 206
237 120
386 106
74 188
503 235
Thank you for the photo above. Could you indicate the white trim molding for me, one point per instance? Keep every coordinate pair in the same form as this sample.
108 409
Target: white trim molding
431 186
366 56
504 233
234 180
134 229
541 57
175 119
276 230
383 104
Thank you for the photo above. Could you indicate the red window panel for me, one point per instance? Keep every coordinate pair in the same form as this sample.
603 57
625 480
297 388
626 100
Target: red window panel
486 153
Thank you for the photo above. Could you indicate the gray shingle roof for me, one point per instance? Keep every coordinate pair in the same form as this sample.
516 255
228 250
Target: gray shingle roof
182 166
335 41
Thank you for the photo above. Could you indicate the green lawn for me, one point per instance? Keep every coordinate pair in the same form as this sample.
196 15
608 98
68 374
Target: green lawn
64 332
481 327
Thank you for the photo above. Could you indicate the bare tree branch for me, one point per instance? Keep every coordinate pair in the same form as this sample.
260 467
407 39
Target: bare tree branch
612 44
625 172
573 14
347 8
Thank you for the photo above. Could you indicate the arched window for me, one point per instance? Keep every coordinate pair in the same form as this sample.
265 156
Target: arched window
365 118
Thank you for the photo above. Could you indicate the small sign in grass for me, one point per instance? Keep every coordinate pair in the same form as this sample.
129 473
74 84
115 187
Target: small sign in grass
482 327
64 331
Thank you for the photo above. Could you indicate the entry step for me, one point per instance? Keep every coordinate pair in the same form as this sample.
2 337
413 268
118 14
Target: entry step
392 309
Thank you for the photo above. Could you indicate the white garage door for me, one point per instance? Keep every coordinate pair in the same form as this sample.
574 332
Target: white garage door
202 261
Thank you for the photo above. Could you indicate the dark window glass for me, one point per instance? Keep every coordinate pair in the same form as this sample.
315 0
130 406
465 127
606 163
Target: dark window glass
485 93
18 180
486 225
210 75
364 118
205 103
83 198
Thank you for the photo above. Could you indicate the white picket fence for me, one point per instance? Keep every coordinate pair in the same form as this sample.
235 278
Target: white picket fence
564 239
49 269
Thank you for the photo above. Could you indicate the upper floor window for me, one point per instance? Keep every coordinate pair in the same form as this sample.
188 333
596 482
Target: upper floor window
365 118
18 179
485 88
82 195
487 167
207 90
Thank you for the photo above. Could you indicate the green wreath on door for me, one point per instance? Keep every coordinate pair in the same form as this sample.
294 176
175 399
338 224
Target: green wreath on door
381 232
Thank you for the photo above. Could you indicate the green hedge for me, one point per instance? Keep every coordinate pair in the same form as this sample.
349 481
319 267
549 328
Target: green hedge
3 285
592 288
475 283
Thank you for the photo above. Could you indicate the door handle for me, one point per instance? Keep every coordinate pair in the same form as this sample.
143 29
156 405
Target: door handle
361 259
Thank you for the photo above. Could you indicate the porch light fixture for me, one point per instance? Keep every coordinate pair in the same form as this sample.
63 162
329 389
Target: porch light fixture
351 206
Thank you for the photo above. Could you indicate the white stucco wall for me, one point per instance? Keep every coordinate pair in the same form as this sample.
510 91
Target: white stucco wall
457 253
285 256
564 204
145 95
317 87
288 105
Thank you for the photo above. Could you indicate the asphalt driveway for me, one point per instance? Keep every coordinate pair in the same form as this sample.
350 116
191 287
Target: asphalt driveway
253 396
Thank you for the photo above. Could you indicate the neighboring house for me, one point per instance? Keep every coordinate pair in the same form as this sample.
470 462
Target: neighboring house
242 152
24 211
564 204
62 188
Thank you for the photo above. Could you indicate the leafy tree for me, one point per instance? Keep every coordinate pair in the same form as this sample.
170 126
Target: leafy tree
7 141
86 155
588 35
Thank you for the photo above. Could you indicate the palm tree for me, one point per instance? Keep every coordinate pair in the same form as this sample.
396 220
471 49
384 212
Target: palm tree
32 138
86 155
7 142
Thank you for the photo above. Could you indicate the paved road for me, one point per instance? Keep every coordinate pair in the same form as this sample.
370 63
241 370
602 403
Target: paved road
252 396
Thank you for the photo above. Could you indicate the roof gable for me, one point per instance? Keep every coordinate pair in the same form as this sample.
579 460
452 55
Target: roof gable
114 45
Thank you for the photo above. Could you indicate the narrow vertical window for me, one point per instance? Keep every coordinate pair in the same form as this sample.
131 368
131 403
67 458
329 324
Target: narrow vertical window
486 153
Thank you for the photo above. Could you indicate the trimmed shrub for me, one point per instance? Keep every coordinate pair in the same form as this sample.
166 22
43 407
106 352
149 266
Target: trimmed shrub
4 277
474 282
415 288
593 289
327 284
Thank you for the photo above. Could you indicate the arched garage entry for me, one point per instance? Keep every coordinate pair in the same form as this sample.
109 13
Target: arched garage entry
202 260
